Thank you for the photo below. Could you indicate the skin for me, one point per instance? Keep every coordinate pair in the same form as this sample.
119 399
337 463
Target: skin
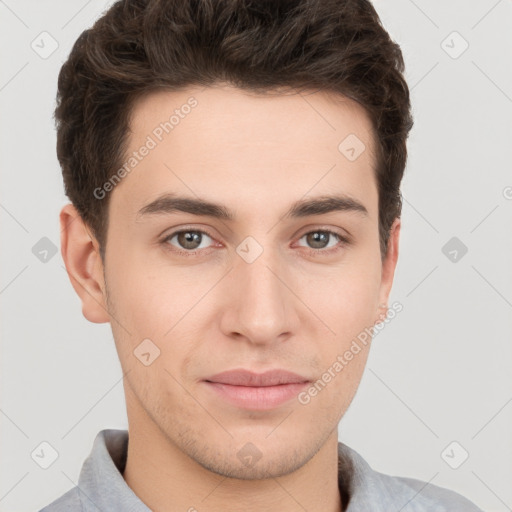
213 311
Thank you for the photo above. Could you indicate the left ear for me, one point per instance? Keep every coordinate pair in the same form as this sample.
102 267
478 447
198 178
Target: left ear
388 268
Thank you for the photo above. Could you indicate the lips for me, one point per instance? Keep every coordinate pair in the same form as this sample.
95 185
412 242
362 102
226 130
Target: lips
247 378
244 389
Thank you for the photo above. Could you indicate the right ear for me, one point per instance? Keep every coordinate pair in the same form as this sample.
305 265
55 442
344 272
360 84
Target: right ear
80 252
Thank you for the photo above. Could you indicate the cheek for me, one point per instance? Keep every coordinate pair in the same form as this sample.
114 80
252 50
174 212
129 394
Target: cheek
160 305
343 298
149 296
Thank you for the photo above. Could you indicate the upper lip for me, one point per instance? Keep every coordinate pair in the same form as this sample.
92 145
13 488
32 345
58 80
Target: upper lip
241 377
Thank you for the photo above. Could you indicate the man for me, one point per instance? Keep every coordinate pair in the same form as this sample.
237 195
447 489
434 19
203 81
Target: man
234 173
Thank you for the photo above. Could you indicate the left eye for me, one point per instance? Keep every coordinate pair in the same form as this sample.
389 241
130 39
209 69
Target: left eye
319 239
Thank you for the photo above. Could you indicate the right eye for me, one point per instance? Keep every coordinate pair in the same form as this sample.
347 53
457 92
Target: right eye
187 241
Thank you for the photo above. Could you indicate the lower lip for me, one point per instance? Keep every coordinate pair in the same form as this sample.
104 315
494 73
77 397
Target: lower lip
257 398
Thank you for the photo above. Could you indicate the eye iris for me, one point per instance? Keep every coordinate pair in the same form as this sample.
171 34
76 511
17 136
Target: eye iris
187 239
318 237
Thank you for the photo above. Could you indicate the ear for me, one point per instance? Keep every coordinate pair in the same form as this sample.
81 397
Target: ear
80 252
388 268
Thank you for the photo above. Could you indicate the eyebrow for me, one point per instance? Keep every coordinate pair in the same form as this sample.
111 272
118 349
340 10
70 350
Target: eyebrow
170 203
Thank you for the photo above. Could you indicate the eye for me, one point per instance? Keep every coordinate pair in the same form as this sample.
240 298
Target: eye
323 240
188 240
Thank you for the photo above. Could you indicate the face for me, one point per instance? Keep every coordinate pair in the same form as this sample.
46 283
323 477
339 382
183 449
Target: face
266 281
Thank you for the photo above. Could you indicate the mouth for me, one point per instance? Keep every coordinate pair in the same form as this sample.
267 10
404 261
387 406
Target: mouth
248 390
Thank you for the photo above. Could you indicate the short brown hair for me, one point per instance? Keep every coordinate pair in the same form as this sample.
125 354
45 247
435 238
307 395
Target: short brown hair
139 46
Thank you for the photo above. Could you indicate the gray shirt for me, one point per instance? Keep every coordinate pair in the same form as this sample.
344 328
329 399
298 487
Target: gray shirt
101 486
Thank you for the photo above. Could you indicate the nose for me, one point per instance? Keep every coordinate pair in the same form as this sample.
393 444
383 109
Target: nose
261 308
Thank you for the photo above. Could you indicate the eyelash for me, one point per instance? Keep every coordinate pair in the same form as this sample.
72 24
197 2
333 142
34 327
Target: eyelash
343 241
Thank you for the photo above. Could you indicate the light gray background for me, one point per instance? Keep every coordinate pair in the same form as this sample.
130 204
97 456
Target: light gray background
439 372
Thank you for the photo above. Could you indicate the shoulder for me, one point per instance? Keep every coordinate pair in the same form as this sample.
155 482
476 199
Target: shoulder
428 497
68 502
371 490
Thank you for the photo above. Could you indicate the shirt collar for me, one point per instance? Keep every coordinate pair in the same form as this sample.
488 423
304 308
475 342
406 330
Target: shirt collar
370 490
101 480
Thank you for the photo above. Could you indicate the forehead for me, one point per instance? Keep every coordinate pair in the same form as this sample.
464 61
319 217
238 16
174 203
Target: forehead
223 141
243 117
